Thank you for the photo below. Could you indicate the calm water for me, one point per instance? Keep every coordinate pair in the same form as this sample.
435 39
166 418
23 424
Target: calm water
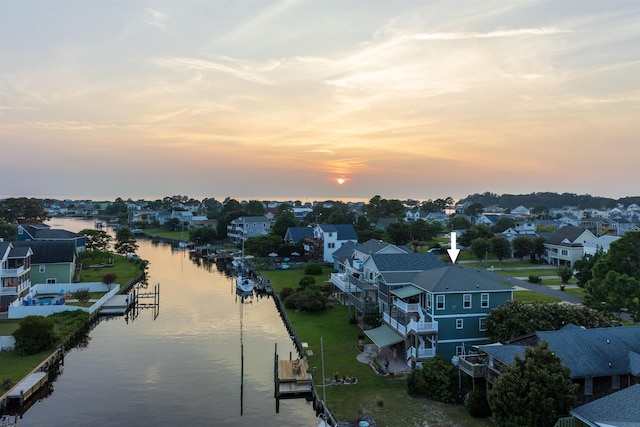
181 369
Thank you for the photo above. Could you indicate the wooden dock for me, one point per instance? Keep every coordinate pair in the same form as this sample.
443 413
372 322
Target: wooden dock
117 304
25 388
293 379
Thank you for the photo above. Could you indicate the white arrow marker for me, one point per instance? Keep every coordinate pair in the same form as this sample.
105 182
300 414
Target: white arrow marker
453 252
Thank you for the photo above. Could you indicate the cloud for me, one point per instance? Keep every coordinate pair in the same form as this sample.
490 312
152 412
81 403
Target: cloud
156 18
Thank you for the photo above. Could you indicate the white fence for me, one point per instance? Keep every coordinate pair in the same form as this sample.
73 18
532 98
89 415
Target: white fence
7 343
17 309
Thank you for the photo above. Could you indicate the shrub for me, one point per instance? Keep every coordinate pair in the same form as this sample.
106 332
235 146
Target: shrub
372 320
307 282
535 279
34 334
82 295
291 302
436 380
285 292
109 278
477 405
565 274
6 384
313 269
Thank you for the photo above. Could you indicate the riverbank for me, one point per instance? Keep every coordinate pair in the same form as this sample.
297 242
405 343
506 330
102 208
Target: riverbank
383 398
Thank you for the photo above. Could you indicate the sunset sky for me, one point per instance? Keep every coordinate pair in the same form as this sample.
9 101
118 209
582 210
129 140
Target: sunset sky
281 99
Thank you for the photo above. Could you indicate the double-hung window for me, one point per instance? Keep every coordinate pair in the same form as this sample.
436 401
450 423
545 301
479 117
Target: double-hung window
440 302
484 300
466 301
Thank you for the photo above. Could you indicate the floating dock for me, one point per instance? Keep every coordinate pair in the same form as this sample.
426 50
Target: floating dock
117 304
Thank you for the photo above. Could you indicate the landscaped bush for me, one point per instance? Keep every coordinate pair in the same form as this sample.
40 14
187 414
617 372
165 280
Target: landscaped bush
565 274
34 334
476 404
436 380
307 282
285 292
82 295
535 279
313 269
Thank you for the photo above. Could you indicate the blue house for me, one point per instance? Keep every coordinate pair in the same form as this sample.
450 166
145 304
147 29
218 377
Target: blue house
43 232
438 311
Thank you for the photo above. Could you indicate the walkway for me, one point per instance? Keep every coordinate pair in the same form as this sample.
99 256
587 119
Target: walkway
397 366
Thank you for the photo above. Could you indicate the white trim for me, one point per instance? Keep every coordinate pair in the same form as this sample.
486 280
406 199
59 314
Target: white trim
449 316
462 340
459 324
464 300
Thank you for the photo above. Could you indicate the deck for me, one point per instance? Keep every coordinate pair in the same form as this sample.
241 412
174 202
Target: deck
293 379
25 388
117 304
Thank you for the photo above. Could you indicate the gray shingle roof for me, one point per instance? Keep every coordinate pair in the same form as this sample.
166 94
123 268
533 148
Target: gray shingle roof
372 246
344 251
413 261
456 279
297 234
47 252
345 231
569 232
620 409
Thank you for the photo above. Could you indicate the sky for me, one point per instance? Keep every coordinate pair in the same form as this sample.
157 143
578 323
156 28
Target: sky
316 100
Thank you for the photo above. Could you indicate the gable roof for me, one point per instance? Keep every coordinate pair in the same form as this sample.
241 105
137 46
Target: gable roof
566 235
296 234
49 252
344 231
44 232
410 262
456 279
374 246
5 247
618 409
344 251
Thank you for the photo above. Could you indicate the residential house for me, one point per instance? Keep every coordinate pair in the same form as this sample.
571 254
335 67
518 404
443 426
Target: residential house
244 227
15 269
619 409
443 310
185 218
488 219
383 223
326 239
601 360
599 226
566 246
521 211
440 217
300 213
295 235
358 281
52 261
526 227
35 232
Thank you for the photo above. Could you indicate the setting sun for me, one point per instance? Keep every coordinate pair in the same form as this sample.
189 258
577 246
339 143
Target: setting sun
341 181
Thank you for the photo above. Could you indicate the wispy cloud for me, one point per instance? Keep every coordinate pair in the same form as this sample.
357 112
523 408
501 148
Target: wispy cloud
156 18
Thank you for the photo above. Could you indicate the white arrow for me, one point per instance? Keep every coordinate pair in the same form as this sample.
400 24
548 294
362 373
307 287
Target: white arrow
453 252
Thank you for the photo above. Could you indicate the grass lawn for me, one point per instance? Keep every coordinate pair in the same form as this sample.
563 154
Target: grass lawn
15 368
161 232
125 270
528 272
383 398
528 297
7 326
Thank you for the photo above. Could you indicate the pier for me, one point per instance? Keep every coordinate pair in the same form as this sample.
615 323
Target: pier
292 381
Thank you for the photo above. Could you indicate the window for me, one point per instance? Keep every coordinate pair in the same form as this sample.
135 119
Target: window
41 268
565 252
459 323
615 382
483 324
466 301
459 350
429 301
484 300
51 281
331 245
588 386
440 302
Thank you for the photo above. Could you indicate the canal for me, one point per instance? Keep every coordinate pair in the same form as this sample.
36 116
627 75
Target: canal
182 368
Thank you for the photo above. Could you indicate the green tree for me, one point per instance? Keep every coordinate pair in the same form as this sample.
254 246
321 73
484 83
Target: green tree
383 208
522 247
22 210
459 222
254 208
203 235
399 233
125 241
262 246
283 221
500 247
481 247
425 230
535 391
117 207
502 224
565 274
585 265
362 224
474 209
97 240
34 334
615 284
538 250
7 231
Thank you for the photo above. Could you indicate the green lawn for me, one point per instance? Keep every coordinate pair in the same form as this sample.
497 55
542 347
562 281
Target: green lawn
15 368
161 232
528 297
528 272
383 398
125 270
7 326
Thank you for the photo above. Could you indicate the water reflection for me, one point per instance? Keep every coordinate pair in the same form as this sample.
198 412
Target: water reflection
184 367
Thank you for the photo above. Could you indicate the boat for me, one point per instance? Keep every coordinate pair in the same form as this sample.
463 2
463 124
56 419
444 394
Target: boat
244 283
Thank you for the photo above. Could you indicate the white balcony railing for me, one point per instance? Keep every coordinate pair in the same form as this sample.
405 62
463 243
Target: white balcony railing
406 307
421 353
393 323
15 290
423 327
341 281
12 272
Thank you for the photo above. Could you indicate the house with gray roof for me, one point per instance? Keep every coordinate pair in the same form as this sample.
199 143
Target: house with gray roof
326 239
601 360
566 246
619 409
53 261
35 232
244 227
295 235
